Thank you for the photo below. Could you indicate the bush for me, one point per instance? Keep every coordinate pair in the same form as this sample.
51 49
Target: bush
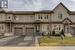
57 35
49 34
53 32
43 34
62 33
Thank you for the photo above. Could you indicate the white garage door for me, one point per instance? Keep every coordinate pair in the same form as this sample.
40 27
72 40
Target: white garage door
18 31
29 31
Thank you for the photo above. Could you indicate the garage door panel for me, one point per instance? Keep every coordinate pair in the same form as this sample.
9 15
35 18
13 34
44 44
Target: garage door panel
18 31
29 31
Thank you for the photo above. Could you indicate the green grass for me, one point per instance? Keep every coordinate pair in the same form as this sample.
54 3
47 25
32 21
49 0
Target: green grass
56 41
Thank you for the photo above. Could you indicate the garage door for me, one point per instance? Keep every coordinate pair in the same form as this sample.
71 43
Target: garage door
29 31
18 31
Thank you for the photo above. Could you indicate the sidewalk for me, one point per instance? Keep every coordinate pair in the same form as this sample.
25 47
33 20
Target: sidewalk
36 40
3 41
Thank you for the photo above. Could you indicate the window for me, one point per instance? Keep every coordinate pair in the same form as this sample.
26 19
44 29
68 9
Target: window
14 17
59 27
60 15
1 17
46 17
40 17
2 27
9 17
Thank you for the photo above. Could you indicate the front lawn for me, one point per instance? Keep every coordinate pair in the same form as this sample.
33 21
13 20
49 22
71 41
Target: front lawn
56 41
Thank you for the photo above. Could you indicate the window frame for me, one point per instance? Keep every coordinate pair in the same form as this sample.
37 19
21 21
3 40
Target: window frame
40 17
60 15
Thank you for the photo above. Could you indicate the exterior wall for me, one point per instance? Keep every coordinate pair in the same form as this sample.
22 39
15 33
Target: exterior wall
44 27
6 17
58 9
2 16
57 27
24 18
9 17
72 18
43 17
2 28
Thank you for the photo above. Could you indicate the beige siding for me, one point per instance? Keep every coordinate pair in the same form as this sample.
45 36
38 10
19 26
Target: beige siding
24 18
9 17
43 17
2 28
72 18
56 27
2 17
60 8
44 27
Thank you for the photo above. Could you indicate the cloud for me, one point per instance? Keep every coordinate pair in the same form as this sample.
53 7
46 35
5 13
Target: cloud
39 4
73 0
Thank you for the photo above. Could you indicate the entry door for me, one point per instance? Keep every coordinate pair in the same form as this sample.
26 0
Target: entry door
38 29
66 28
18 31
29 31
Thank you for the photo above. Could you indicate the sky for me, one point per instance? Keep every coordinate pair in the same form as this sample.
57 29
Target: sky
36 5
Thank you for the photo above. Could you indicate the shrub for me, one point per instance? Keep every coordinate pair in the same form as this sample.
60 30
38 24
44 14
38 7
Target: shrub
57 35
62 33
43 34
53 32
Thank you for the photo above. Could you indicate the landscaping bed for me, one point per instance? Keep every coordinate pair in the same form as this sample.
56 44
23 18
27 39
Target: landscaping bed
56 41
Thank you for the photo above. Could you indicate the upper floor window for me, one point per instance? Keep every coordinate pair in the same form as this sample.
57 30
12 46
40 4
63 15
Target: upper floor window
59 15
9 17
39 17
46 17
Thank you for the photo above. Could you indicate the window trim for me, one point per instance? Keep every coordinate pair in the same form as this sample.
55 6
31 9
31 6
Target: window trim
40 17
59 15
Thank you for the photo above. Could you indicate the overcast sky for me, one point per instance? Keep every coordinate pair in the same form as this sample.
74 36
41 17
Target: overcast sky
39 4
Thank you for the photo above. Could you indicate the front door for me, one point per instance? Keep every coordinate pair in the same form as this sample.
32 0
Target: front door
66 28
37 29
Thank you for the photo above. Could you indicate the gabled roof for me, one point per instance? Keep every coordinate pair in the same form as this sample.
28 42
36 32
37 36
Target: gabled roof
23 12
62 5
44 11
67 19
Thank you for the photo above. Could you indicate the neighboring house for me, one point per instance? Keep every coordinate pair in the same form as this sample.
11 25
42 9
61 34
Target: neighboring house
4 3
29 22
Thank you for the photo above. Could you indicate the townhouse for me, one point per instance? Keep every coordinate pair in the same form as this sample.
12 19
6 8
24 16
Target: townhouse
31 22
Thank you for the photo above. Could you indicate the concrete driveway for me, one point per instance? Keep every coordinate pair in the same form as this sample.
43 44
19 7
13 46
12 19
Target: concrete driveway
21 41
